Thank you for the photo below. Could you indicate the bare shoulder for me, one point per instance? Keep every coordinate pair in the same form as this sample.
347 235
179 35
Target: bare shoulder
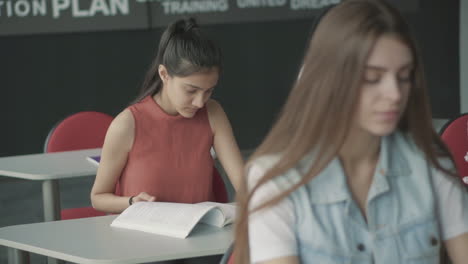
214 107
216 114
123 122
121 130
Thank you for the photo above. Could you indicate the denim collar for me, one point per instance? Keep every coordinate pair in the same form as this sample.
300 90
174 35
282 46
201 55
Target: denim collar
330 185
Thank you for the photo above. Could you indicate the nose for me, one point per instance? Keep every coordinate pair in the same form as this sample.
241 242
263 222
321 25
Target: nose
393 90
199 101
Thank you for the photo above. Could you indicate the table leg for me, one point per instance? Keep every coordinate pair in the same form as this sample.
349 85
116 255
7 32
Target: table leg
51 200
54 261
16 256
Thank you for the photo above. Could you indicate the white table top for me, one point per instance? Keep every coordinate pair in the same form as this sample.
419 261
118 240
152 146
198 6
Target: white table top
49 166
94 241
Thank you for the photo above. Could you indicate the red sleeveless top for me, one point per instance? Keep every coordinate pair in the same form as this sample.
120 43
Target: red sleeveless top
170 158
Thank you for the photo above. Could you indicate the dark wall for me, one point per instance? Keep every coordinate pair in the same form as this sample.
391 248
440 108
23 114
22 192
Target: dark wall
436 27
44 78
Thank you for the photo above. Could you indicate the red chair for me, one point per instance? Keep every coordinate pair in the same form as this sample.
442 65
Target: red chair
82 130
455 135
85 130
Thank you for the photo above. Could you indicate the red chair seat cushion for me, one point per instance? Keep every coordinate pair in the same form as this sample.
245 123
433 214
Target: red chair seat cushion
82 212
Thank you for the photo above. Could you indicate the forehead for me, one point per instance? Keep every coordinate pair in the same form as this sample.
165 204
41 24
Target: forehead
203 79
390 52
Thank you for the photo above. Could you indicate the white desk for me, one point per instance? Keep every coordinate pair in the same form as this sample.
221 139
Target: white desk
94 241
49 168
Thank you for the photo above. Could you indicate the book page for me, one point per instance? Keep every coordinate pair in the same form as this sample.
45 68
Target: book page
214 217
170 219
228 210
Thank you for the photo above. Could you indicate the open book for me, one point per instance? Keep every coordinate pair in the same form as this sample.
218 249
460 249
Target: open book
174 219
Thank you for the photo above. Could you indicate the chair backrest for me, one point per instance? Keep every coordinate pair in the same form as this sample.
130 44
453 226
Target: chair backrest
82 130
455 135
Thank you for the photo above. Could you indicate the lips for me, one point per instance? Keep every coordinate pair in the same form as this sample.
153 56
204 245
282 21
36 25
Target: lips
388 115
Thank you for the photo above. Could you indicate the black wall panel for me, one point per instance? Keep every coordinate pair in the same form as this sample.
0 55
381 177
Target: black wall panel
44 78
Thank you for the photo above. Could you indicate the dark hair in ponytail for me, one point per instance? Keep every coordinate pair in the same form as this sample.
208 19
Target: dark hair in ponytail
183 50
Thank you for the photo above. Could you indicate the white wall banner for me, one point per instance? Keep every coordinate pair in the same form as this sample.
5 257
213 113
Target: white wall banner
61 16
19 17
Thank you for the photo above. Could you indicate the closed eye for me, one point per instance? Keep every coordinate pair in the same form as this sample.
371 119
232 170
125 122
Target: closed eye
191 90
406 75
405 79
372 76
371 80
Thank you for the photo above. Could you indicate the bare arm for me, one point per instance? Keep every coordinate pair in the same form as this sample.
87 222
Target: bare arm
225 144
457 249
117 144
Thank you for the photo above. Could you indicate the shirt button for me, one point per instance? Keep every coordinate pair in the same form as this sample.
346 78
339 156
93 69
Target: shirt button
361 247
434 241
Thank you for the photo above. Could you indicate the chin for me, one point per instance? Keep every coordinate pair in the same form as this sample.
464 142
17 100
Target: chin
382 131
187 114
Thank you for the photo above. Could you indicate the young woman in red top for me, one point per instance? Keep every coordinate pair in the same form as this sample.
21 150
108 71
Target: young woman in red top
158 149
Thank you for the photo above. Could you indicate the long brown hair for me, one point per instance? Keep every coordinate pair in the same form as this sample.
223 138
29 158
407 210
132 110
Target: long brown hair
318 112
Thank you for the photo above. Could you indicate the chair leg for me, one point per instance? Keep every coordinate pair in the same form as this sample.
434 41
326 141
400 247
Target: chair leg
54 261
16 256
51 200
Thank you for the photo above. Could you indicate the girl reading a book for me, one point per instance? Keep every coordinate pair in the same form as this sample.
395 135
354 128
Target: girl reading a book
158 149
353 171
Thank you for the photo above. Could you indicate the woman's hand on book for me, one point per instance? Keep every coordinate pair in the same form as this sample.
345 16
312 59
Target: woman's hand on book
144 197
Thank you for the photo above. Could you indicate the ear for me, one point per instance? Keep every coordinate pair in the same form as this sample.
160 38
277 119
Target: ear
163 74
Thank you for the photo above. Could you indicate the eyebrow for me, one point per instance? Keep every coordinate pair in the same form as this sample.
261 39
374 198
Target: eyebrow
379 68
198 88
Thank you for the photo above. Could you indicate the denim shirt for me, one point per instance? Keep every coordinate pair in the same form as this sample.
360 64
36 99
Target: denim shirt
401 224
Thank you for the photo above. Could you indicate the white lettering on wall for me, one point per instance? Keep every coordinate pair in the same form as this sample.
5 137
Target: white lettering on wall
22 8
260 3
98 6
311 4
58 6
197 6
121 5
8 8
39 8
76 12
